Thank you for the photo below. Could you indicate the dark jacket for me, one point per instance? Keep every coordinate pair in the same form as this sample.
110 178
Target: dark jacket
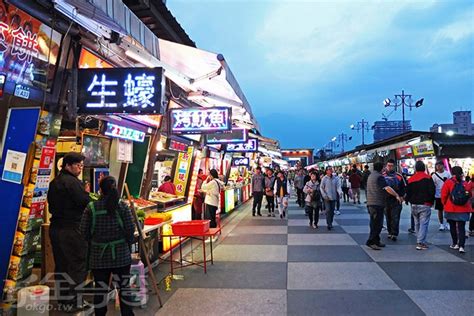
365 177
67 200
397 183
355 179
420 189
108 230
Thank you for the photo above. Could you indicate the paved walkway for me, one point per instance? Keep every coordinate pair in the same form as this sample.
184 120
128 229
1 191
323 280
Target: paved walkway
269 266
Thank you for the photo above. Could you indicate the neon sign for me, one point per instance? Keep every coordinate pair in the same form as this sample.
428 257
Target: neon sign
250 146
200 120
122 132
240 161
177 146
237 135
120 90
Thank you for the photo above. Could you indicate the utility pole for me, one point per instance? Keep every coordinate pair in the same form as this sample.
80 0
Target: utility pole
403 100
343 138
361 126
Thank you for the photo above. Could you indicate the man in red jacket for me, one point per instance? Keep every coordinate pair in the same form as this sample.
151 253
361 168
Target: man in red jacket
355 179
421 195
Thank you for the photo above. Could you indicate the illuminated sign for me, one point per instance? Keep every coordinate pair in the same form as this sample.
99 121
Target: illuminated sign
240 161
22 91
177 146
89 60
200 120
120 90
404 152
3 78
122 132
238 135
182 171
424 148
250 146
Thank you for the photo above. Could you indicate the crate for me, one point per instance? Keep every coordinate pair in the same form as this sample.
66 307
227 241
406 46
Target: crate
191 227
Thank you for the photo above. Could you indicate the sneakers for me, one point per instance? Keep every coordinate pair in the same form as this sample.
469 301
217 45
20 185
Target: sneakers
471 233
441 227
392 237
374 247
446 226
421 246
273 214
269 215
381 245
337 213
411 230
461 250
456 247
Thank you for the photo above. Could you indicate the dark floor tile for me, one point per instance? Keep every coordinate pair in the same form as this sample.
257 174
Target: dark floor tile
352 222
257 239
262 221
403 239
309 230
468 256
297 216
233 275
431 275
327 254
351 303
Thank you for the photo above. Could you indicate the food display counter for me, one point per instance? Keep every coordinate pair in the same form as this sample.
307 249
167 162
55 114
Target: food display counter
234 195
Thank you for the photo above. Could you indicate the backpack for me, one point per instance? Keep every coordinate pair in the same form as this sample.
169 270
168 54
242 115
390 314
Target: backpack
459 194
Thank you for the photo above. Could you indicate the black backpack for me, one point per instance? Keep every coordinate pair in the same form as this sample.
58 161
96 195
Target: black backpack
459 195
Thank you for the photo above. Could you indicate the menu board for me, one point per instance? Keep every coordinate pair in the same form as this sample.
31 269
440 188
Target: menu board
424 148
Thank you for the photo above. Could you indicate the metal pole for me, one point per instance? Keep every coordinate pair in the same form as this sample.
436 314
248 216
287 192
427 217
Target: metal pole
403 111
363 131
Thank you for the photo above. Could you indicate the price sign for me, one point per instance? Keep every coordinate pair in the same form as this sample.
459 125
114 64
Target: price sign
122 132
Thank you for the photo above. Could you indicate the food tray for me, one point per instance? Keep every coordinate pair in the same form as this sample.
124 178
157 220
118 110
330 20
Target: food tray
191 227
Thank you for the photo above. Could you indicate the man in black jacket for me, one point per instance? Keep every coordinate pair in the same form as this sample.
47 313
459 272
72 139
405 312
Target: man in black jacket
67 200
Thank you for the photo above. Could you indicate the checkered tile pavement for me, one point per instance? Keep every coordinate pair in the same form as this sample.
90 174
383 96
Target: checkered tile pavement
269 266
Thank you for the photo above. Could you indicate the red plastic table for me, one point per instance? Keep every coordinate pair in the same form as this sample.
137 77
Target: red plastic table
202 237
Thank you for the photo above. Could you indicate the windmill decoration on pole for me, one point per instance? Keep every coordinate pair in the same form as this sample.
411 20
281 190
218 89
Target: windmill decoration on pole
403 100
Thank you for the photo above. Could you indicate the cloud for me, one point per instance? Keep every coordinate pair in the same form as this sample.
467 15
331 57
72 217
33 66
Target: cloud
326 37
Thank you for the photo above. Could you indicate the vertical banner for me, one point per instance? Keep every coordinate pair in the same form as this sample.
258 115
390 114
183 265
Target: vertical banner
182 171
194 175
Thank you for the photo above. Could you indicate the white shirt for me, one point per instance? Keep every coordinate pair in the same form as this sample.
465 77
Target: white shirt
213 191
438 182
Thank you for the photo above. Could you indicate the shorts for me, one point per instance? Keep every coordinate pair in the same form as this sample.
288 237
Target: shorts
439 205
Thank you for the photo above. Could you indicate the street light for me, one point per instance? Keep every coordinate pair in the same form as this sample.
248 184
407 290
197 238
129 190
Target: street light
450 133
403 100
361 126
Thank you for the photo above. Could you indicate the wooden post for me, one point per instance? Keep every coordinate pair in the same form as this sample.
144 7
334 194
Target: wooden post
141 242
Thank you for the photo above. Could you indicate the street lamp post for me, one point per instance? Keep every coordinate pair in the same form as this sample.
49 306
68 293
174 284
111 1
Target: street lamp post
361 126
341 139
403 100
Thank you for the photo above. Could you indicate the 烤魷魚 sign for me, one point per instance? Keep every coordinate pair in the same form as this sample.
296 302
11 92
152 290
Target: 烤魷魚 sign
120 90
217 119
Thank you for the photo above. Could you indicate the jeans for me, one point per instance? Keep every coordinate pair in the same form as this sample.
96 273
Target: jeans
313 213
421 214
338 202
458 232
392 214
330 207
282 204
376 223
345 194
257 201
211 211
270 203
101 288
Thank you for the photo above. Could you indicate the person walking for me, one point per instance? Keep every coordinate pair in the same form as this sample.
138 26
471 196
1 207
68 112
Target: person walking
258 187
212 188
393 207
355 179
471 221
67 199
330 188
107 225
270 196
456 197
313 199
345 185
421 194
377 188
299 185
282 192
439 178
363 183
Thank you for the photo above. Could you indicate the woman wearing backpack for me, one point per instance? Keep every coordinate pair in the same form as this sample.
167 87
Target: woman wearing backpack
107 225
455 196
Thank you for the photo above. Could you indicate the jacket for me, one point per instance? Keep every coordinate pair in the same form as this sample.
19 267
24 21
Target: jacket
258 183
279 184
355 179
308 189
449 206
213 191
365 177
109 241
67 200
330 188
269 183
167 187
397 183
376 186
420 189
299 182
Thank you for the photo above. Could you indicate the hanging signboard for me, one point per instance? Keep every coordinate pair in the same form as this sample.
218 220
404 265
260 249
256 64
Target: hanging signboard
182 171
125 151
237 135
424 148
188 121
250 146
404 152
120 90
90 60
14 164
114 130
240 162
177 146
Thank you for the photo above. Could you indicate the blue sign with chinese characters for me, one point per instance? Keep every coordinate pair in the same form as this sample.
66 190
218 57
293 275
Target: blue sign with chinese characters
250 146
210 120
120 90
240 162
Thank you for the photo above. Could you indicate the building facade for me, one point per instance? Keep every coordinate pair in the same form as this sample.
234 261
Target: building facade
462 124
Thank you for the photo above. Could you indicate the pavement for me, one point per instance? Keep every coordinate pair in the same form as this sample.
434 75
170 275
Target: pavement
270 266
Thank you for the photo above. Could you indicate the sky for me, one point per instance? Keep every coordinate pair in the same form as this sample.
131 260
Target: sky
310 69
